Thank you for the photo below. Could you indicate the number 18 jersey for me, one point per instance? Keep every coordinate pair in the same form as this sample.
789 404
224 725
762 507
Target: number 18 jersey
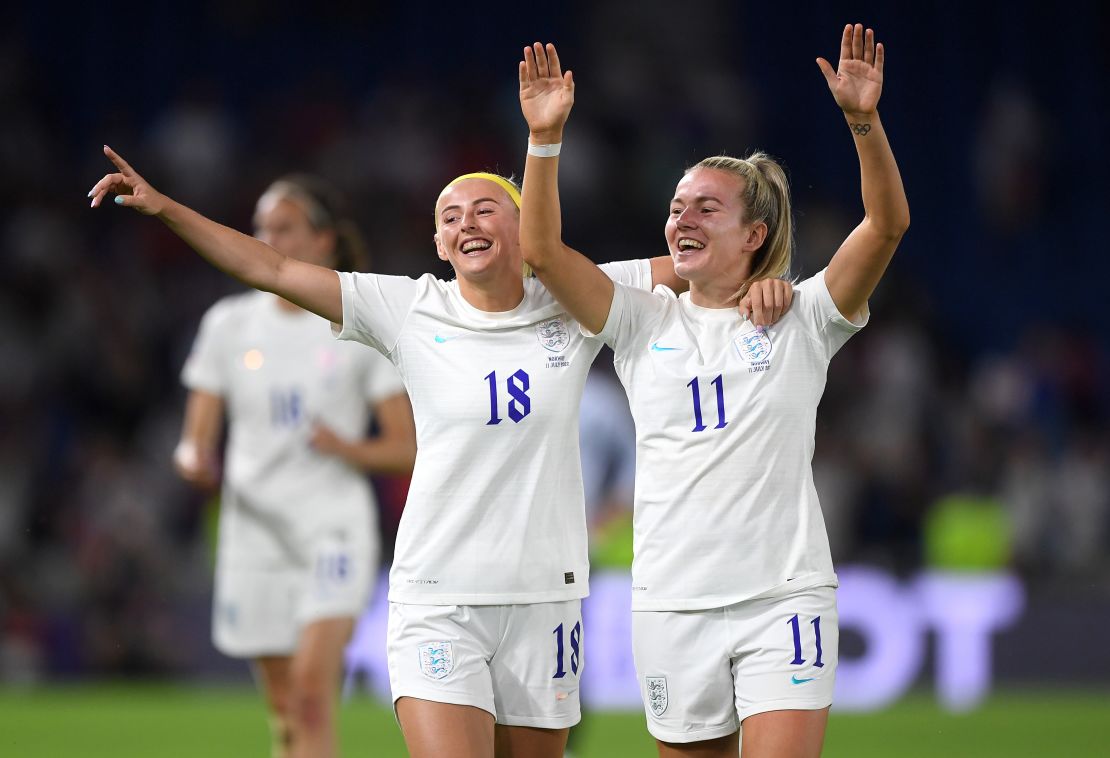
494 513
725 506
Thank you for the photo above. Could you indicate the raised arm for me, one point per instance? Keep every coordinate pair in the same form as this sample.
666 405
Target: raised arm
546 97
251 261
856 85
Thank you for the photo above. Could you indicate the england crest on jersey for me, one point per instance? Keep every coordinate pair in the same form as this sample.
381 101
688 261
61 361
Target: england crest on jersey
436 660
553 334
657 694
754 346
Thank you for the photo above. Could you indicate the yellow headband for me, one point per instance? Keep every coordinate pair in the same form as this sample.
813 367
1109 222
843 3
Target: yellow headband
500 181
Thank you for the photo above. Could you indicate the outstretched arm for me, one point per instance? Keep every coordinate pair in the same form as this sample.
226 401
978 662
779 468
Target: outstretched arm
856 85
546 97
251 261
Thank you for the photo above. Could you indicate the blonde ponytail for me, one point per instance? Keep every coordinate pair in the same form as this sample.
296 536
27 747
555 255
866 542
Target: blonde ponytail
765 197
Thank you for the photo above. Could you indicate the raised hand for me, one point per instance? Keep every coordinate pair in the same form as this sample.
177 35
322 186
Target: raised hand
546 92
130 189
857 81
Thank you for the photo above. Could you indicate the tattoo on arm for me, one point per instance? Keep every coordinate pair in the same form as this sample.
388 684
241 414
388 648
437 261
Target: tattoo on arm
861 129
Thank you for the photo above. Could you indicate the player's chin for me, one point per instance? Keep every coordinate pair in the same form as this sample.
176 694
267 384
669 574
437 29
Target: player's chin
685 269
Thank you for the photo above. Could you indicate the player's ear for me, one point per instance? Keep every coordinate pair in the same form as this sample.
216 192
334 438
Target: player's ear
757 233
439 248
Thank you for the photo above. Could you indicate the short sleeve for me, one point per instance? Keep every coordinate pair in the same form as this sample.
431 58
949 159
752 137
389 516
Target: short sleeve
632 315
204 369
814 305
382 379
375 308
636 274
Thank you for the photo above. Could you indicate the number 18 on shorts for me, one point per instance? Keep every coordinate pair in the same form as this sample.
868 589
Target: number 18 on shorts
522 663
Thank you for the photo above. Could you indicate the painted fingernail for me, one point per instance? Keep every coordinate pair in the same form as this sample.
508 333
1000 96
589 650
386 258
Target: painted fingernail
90 194
119 199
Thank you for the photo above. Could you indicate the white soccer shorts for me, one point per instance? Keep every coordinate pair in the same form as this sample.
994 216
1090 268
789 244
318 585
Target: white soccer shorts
521 663
703 672
261 611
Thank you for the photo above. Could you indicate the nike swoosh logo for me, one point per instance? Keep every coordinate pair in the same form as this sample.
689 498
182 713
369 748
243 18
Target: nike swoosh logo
796 680
656 347
441 340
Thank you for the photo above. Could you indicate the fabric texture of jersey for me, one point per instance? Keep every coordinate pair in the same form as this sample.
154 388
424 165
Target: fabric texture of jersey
725 412
494 512
279 371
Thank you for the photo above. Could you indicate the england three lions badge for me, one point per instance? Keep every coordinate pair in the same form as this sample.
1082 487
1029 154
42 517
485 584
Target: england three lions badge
553 334
657 694
755 347
436 660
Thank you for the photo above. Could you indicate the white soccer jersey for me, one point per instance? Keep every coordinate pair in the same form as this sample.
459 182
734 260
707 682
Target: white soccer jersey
725 507
494 512
278 371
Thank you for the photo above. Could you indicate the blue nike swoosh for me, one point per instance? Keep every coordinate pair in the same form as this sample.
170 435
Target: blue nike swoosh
796 680
656 348
446 339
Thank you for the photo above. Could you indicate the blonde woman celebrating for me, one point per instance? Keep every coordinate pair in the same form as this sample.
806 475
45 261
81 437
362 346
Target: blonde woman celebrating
734 608
485 638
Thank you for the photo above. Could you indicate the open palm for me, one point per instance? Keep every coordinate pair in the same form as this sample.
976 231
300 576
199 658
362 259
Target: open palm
857 82
546 93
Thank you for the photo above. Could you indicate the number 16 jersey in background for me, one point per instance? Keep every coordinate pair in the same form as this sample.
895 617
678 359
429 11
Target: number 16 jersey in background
495 510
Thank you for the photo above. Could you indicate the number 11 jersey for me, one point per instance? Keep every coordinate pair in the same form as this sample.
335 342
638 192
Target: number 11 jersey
725 506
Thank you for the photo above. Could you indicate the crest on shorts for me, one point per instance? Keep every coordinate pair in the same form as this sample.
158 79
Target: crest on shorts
553 334
657 694
754 346
436 660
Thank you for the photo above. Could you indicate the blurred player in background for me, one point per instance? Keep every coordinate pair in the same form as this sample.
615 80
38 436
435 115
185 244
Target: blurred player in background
485 631
298 548
735 616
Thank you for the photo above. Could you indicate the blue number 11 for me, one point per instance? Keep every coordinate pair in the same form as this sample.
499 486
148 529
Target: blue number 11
719 383
798 659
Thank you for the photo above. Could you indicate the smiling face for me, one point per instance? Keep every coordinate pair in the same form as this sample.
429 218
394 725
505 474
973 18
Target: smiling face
478 230
706 232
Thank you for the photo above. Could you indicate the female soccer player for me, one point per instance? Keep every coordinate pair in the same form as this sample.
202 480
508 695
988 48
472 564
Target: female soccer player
733 585
490 564
298 547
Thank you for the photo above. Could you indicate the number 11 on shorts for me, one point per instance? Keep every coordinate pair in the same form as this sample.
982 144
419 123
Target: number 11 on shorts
575 643
796 628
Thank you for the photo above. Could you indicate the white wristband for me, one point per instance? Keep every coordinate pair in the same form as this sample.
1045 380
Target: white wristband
545 151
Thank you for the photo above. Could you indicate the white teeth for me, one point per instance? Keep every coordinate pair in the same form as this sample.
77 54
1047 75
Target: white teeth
686 244
472 245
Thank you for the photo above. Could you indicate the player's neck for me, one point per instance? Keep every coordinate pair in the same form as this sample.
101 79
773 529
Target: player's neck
713 295
494 295
718 291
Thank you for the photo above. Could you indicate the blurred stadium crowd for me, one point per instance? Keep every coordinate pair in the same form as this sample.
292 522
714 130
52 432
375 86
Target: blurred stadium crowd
983 374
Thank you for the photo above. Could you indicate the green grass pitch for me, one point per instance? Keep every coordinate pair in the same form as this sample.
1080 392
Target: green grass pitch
171 721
